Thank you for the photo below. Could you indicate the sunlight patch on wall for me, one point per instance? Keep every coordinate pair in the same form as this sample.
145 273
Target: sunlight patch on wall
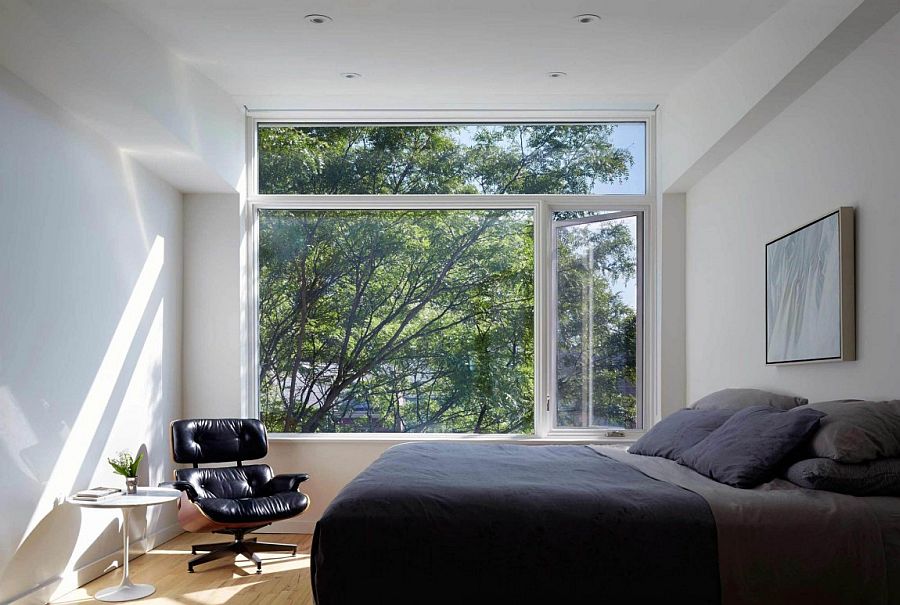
77 437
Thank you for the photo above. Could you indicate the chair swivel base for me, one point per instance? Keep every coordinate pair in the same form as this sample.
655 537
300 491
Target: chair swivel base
246 548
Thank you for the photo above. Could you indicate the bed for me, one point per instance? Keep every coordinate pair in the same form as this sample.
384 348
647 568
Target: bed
436 523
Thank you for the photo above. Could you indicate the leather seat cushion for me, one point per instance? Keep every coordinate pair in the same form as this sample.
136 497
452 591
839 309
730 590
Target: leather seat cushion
264 509
227 482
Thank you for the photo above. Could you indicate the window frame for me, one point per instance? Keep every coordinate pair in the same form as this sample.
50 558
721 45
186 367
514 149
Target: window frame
553 296
542 207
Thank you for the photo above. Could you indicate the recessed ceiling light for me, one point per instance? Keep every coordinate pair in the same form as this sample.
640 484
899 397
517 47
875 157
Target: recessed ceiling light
318 19
587 18
557 74
350 75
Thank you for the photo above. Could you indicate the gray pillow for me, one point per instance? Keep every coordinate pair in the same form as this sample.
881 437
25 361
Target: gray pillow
674 434
873 478
738 399
749 448
856 431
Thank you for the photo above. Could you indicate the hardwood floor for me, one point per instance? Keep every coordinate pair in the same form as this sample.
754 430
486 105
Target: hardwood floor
284 579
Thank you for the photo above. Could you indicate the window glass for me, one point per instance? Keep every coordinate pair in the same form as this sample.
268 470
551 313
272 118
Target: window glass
601 158
596 320
396 320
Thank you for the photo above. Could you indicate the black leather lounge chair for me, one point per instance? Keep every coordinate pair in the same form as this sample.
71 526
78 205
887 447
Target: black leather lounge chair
233 500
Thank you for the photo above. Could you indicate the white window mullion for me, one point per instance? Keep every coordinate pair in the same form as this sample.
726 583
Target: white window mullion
542 333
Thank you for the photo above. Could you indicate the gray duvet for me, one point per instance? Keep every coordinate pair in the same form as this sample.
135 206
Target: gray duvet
464 524
779 543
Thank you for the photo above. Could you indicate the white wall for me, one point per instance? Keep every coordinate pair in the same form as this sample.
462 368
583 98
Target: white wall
838 144
672 334
701 113
133 90
90 340
212 306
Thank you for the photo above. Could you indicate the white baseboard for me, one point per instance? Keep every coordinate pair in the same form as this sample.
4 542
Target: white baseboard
290 526
52 588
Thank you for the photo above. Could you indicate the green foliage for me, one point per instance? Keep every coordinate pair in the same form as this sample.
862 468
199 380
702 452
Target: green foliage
123 464
397 319
417 320
523 159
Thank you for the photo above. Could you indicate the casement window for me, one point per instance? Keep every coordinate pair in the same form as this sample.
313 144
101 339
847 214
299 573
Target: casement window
449 278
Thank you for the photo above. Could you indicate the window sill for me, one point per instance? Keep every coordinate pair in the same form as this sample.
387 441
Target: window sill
375 438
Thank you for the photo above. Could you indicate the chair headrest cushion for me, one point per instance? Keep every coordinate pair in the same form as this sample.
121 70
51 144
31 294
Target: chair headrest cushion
205 440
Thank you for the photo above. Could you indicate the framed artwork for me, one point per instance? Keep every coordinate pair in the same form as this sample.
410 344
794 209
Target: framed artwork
810 292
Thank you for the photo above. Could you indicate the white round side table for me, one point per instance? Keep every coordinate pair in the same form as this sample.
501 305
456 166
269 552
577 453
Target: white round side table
146 496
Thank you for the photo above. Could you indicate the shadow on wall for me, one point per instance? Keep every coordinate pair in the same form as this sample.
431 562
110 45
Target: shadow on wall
49 454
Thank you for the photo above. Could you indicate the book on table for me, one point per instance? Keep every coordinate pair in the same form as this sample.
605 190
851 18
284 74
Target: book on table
97 493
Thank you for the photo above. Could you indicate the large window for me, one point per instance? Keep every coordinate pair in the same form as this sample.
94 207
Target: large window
386 298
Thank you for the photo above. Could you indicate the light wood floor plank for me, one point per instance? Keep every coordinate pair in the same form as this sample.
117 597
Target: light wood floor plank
284 579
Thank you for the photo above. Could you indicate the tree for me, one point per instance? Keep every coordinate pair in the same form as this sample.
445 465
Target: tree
348 297
559 158
396 320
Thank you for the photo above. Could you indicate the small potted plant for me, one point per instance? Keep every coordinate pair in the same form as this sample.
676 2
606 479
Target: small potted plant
123 464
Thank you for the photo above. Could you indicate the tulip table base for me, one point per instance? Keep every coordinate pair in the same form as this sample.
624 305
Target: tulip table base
127 590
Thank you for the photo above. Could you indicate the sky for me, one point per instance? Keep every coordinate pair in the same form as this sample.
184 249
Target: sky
627 290
629 135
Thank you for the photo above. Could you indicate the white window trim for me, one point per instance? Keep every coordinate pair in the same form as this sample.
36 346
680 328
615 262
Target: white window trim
541 205
552 328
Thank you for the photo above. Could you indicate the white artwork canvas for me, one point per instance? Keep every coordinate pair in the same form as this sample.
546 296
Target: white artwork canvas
804 315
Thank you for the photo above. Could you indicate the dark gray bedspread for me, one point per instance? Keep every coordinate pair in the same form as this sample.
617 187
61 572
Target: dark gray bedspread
436 523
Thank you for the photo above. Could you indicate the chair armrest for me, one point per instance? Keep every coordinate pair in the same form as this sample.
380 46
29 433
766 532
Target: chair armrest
284 483
183 486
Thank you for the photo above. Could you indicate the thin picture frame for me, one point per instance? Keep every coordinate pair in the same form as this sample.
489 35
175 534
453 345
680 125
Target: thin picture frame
846 249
